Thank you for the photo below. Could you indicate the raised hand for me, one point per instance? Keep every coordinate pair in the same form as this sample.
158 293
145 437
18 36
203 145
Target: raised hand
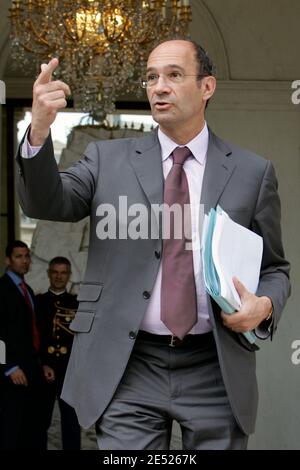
48 97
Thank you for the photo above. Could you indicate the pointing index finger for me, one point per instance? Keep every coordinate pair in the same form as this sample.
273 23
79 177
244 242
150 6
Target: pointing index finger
46 71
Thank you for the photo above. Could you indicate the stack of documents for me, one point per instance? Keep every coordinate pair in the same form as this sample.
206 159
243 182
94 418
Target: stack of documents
229 250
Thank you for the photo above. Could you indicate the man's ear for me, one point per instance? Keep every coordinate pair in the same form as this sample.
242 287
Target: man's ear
7 261
209 85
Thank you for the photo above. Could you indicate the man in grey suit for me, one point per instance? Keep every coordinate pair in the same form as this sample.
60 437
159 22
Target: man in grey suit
133 368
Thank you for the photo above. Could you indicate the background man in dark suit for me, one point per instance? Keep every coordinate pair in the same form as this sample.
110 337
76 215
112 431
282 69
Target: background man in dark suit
55 311
140 359
21 377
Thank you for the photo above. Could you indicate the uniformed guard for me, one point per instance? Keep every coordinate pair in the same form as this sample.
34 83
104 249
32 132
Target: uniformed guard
55 311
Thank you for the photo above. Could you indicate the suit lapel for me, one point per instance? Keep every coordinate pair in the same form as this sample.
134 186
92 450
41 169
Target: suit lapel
15 288
147 164
218 170
12 286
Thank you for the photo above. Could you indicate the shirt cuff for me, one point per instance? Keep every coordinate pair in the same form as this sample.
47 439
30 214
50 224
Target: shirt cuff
11 370
265 329
27 150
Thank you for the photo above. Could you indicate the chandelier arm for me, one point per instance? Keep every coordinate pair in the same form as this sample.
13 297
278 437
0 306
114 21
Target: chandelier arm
38 37
68 33
112 38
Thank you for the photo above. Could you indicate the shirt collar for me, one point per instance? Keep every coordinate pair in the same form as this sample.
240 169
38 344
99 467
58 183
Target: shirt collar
198 145
14 277
57 293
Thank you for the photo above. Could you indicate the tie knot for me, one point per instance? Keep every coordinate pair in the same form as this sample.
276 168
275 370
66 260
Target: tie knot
180 154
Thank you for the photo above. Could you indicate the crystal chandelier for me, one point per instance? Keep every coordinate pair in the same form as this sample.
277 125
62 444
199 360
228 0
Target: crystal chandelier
102 45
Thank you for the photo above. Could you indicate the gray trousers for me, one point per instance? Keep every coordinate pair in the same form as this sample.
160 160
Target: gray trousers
162 384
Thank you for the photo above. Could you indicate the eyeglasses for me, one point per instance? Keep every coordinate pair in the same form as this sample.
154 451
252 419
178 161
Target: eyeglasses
171 77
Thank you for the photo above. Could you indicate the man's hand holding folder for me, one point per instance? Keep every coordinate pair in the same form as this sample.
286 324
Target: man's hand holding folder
252 312
231 256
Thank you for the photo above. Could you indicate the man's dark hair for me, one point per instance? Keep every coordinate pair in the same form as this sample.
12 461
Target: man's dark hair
205 64
59 260
14 244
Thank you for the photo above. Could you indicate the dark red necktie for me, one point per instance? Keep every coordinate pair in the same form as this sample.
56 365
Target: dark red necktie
35 332
178 290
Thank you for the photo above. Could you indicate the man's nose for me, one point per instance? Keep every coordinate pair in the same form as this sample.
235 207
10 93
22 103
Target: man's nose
162 85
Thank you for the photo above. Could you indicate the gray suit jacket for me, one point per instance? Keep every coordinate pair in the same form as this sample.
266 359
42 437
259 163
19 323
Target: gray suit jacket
119 271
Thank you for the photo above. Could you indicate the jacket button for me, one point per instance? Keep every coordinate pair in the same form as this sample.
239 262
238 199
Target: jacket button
132 335
146 294
157 254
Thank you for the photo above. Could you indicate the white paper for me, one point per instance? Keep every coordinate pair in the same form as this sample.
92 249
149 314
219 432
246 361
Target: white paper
237 252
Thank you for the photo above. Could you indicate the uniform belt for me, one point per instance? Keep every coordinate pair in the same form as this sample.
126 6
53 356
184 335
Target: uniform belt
205 339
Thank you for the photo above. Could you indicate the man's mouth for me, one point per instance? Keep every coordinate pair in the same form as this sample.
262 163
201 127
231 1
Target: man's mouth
162 105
